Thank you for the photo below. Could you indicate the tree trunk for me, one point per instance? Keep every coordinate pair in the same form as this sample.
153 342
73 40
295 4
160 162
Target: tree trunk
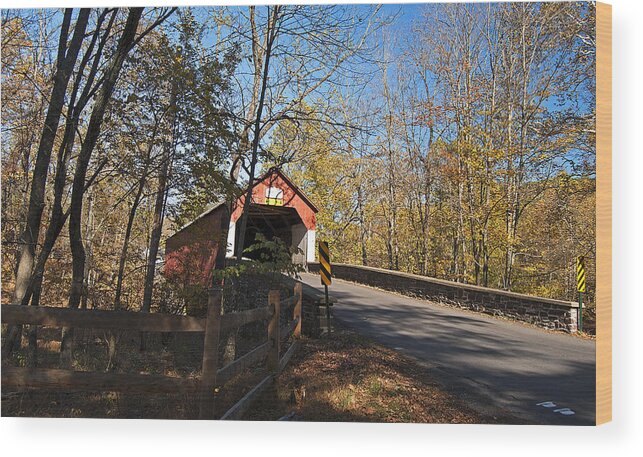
90 250
159 210
64 68
389 243
362 228
124 249
159 213
271 35
58 217
113 335
93 130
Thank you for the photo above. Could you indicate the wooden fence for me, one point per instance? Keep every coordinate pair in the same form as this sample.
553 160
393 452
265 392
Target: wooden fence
212 375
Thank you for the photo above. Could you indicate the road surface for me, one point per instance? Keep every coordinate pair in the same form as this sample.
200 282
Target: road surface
498 366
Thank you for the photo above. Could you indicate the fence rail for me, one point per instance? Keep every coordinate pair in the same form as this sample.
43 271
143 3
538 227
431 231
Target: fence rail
212 375
253 357
236 320
99 319
238 410
55 379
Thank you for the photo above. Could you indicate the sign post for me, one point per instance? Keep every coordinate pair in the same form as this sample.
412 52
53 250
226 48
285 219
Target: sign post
325 275
580 286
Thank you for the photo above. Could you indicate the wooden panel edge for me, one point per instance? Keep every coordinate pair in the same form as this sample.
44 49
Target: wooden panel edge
21 379
245 361
603 213
100 319
238 410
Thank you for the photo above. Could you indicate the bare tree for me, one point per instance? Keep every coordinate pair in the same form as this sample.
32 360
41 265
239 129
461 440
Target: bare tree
66 59
125 43
296 52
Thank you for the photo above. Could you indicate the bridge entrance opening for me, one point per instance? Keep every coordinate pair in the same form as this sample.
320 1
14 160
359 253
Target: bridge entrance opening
272 222
279 209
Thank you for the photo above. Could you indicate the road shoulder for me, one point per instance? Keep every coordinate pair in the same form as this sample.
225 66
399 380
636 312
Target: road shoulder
350 378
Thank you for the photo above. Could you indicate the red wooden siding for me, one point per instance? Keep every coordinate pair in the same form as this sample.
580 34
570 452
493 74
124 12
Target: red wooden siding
190 253
291 197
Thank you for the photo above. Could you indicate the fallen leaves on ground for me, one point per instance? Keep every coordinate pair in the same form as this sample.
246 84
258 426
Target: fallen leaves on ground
348 378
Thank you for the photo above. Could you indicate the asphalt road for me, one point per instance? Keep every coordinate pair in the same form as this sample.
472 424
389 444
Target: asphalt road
499 367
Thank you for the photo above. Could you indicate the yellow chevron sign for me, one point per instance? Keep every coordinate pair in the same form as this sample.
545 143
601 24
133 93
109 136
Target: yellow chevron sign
580 274
324 263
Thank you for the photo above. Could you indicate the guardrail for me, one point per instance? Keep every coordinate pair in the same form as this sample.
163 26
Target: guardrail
212 375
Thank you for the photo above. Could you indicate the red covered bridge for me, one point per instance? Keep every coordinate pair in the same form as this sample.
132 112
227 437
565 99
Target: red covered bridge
278 209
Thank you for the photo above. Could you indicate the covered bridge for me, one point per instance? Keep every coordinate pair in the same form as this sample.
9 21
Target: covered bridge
278 209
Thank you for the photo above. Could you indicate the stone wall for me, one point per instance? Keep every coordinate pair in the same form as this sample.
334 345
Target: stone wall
544 312
250 290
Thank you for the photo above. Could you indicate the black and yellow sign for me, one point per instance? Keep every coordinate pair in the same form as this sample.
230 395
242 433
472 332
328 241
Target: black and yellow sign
324 263
580 273
274 201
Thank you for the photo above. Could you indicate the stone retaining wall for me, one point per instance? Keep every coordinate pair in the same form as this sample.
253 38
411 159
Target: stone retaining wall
250 290
544 312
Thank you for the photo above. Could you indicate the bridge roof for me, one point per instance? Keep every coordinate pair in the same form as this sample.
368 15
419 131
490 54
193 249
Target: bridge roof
274 170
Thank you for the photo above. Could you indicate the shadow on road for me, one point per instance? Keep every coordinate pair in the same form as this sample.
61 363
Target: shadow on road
508 365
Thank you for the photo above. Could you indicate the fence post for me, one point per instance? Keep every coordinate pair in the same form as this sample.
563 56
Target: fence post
273 331
210 354
297 310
